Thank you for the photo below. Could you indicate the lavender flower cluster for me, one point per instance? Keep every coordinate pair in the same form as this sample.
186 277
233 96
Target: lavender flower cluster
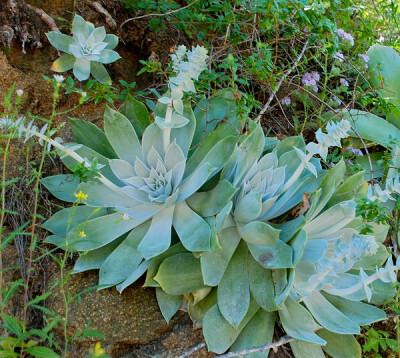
346 36
311 79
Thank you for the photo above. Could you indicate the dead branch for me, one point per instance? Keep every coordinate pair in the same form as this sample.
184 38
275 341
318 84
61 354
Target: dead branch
48 20
98 7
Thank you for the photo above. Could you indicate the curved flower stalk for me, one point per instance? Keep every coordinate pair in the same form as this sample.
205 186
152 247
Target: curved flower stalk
86 51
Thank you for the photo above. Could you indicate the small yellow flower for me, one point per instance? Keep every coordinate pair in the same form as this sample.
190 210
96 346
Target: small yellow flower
81 196
98 351
82 234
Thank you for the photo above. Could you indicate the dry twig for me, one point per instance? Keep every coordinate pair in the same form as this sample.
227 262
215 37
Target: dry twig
48 20
98 7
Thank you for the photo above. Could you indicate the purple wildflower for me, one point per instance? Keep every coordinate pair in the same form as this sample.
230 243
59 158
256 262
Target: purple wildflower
311 79
345 35
343 82
365 58
315 75
337 99
357 152
286 101
315 88
338 56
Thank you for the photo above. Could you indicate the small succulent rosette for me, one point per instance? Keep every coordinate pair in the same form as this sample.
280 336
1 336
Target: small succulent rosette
86 51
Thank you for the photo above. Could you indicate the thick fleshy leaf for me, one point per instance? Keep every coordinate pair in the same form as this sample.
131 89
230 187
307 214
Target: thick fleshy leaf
329 316
372 261
169 304
215 149
306 350
192 183
274 256
80 26
108 56
100 231
152 137
219 333
298 244
197 311
359 312
340 345
290 228
259 233
158 238
124 259
180 274
155 263
140 270
184 135
122 136
291 314
137 113
287 144
221 106
92 260
100 73
214 263
62 186
191 228
66 219
283 279
261 285
64 63
328 186
60 41
122 170
248 208
112 41
258 331
211 202
233 289
82 69
90 135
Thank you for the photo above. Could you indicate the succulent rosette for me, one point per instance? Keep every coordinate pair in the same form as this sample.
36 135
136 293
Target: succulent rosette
86 51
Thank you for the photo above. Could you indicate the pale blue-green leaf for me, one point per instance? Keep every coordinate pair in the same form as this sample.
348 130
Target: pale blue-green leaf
289 228
191 228
112 41
233 289
137 113
248 208
359 312
124 259
259 331
290 161
328 316
60 41
250 151
155 263
122 169
80 26
259 233
90 135
294 195
141 269
122 136
314 250
306 349
152 137
328 186
82 69
141 211
108 56
209 113
62 186
184 135
65 219
192 183
287 144
218 333
64 63
340 345
323 225
261 285
298 322
94 259
283 286
222 217
211 202
214 263
180 274
100 195
370 262
169 304
158 238
276 256
100 231
56 240
197 311
298 244
215 149
100 73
